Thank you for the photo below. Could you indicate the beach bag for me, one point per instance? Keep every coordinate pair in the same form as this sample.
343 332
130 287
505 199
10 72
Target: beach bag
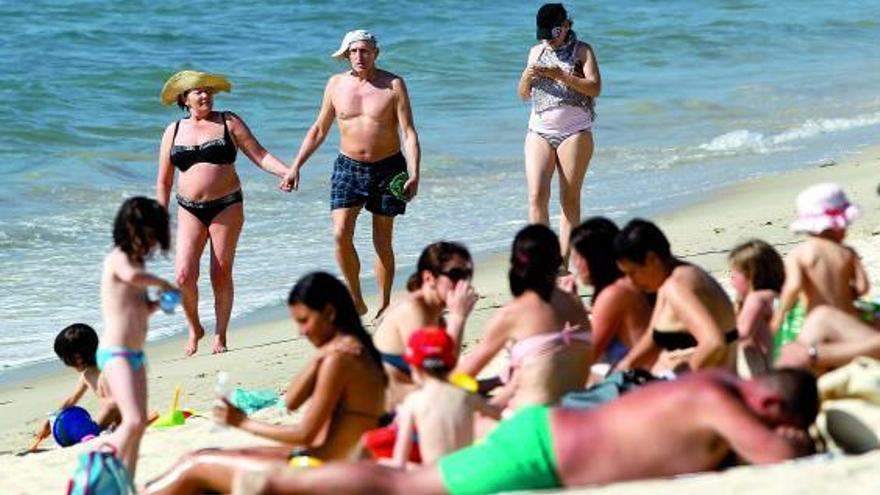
612 387
100 472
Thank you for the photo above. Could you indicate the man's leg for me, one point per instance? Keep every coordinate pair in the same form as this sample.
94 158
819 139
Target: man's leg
346 255
383 231
365 477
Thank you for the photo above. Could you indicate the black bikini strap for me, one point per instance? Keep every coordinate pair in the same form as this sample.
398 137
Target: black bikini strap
176 126
226 134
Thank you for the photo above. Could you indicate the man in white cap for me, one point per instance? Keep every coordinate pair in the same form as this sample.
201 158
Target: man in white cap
822 270
372 109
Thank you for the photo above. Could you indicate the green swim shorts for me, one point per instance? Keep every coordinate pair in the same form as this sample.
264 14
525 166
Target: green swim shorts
517 455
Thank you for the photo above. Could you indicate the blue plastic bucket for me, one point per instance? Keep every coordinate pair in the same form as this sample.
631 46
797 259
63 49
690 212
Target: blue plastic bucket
72 425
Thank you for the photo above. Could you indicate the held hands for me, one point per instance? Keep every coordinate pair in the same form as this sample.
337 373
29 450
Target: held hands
226 413
290 181
461 299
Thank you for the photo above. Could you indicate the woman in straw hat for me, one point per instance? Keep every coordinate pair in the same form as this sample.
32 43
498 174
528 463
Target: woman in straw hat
203 148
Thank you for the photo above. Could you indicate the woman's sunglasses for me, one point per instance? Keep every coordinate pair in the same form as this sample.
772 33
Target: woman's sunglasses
456 274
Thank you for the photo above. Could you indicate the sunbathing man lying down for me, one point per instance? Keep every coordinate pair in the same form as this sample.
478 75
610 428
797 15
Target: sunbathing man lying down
693 424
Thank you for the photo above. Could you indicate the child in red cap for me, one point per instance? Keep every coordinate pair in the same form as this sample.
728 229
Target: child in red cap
443 413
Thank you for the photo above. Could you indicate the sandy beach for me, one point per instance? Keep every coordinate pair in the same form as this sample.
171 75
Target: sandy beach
267 355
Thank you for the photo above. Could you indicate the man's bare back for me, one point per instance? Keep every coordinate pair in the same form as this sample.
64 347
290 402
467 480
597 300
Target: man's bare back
366 114
686 426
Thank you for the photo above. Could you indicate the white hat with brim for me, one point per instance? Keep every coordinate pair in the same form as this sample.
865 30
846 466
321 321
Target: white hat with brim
823 207
353 37
186 80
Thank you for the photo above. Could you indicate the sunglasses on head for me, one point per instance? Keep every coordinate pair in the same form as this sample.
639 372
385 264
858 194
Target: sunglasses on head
456 274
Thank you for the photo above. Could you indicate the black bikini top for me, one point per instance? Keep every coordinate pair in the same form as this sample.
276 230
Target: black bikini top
219 151
682 339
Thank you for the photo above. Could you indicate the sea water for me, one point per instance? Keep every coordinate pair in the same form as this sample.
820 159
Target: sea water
696 95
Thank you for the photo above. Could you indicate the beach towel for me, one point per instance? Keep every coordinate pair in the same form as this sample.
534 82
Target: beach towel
251 401
612 387
850 416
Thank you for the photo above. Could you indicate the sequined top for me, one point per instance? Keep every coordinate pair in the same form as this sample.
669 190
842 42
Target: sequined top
548 93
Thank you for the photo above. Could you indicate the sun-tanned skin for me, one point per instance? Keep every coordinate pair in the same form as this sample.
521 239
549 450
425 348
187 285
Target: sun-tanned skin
686 426
836 337
371 108
824 272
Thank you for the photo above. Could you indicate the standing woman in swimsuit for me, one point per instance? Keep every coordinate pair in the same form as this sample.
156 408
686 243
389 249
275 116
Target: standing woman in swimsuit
693 323
203 148
442 282
545 329
344 385
562 80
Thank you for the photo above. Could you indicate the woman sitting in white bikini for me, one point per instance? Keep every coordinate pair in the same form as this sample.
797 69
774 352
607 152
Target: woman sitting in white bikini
545 329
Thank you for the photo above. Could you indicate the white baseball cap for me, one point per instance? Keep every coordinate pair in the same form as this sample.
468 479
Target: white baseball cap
823 207
353 37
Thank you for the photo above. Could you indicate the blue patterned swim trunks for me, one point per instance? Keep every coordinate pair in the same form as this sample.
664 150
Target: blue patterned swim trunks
357 183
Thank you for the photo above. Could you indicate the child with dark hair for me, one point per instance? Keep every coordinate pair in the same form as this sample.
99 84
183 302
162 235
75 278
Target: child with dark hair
140 227
756 274
442 413
76 346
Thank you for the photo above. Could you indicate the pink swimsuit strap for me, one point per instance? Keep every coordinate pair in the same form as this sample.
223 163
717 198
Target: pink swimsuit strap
542 343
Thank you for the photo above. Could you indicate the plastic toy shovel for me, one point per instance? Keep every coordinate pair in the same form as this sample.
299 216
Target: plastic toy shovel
174 416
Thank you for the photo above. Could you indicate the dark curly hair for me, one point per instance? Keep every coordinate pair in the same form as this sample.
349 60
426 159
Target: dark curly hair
140 222
433 259
534 261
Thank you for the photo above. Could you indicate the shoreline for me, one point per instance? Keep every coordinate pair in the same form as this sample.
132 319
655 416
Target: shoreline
274 314
265 354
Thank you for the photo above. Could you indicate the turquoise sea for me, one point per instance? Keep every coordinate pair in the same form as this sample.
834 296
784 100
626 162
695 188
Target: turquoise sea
696 95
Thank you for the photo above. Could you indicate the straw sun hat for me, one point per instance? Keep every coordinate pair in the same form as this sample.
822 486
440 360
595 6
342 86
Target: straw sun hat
186 80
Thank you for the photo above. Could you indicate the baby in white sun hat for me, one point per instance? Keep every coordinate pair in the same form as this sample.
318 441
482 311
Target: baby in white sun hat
822 270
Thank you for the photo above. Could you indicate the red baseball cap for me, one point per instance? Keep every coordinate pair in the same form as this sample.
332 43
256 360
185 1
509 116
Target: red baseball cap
430 347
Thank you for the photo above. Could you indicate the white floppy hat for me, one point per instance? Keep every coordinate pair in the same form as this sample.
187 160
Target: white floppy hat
823 207
353 37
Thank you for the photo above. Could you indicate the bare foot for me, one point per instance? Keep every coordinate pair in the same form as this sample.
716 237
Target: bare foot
219 344
361 307
192 345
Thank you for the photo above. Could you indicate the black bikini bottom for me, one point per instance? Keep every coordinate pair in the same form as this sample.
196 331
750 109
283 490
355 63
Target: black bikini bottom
205 211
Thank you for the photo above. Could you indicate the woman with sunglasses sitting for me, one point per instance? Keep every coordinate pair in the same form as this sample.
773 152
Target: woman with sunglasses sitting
441 283
545 329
